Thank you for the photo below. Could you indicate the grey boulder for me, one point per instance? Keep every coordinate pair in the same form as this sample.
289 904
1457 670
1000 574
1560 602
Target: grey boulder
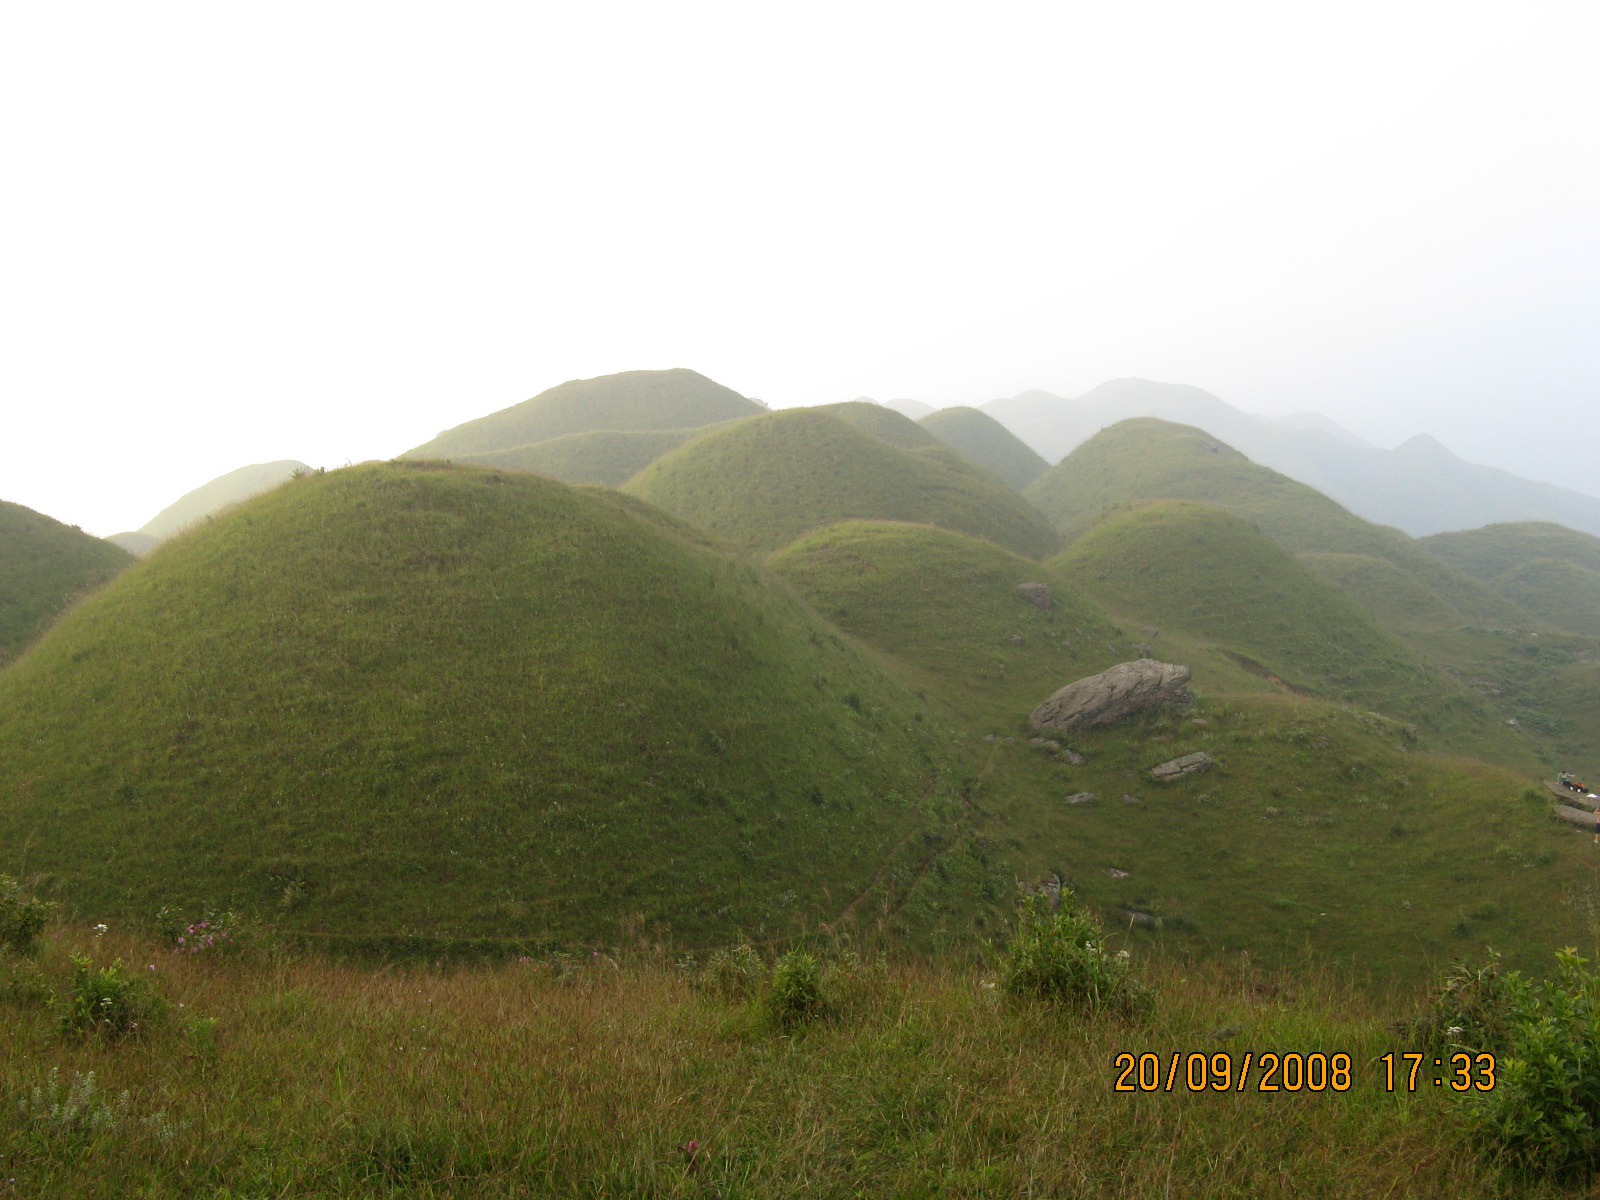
1109 697
1179 768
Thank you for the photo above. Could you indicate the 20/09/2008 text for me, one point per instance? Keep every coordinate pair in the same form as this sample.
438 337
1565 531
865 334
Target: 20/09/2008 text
1294 1072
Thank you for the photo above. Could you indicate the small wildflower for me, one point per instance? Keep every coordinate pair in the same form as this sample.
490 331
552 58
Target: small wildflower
99 930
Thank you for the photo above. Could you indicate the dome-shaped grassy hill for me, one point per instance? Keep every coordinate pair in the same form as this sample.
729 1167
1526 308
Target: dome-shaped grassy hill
650 400
1149 459
763 482
1189 566
985 441
948 605
411 697
44 567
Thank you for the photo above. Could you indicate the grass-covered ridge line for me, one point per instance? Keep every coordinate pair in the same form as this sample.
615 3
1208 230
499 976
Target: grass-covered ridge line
763 482
407 698
988 443
1551 571
44 567
636 400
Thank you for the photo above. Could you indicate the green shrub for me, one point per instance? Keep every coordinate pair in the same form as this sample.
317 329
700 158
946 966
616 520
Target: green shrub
214 933
1061 957
20 919
1544 1109
111 1000
794 993
733 974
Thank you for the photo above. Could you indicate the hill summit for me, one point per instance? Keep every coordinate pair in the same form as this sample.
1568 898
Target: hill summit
631 400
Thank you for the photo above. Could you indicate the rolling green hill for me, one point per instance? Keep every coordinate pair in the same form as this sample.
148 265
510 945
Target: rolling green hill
632 400
988 443
44 567
1549 570
1147 459
765 481
1495 549
1181 565
416 698
885 424
609 456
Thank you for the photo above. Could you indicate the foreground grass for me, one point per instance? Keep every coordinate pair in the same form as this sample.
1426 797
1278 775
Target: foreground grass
612 1078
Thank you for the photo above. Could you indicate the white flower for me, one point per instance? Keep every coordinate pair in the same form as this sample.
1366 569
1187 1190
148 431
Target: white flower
99 929
1455 1029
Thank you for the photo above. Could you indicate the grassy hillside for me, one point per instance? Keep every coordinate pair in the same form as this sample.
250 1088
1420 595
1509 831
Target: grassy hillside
1148 459
988 443
1177 564
222 492
764 482
1495 549
946 606
609 457
411 698
885 424
44 567
635 400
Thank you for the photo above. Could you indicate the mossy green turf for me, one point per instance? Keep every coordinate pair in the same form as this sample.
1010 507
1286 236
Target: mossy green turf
978 436
449 700
639 400
609 457
1148 459
763 482
44 566
1179 564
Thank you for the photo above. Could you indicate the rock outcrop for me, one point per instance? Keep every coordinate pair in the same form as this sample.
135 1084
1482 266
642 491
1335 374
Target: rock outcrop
1180 768
1038 594
1113 695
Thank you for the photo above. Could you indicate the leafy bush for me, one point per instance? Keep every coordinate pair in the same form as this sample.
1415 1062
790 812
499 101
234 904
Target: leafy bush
1544 1110
111 1000
1061 957
20 919
794 993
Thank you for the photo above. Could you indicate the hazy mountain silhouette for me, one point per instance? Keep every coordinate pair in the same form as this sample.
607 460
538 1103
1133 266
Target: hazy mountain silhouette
1420 487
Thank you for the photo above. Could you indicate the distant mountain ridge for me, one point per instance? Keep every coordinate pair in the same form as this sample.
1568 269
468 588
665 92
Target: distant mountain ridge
1420 486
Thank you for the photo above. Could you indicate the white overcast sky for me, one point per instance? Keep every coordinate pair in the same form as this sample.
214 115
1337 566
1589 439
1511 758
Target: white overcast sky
232 233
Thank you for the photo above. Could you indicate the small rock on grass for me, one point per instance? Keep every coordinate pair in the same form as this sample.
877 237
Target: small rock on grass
1081 797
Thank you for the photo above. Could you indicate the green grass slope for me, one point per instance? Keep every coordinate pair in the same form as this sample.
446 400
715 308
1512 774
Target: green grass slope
885 424
946 605
414 698
609 457
1495 549
1561 592
765 481
1322 834
1178 564
1148 459
637 400
221 493
44 566
978 436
